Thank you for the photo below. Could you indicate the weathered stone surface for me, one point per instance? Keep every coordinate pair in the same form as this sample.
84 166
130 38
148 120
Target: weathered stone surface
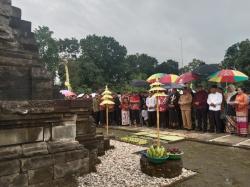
5 10
21 135
106 143
47 134
40 175
10 152
101 150
35 149
16 12
61 182
62 146
76 155
36 162
5 1
9 167
36 137
85 166
16 180
70 156
15 38
59 158
93 159
69 168
169 169
64 132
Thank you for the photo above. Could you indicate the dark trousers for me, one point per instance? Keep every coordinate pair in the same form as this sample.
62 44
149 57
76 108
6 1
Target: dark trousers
193 114
96 116
201 116
163 120
180 126
175 118
214 121
111 118
144 122
102 117
167 119
135 116
117 116
151 118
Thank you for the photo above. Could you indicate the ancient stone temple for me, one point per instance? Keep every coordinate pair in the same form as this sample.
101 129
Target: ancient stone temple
21 74
38 138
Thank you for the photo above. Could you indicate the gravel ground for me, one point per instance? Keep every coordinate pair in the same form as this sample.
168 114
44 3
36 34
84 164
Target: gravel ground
121 168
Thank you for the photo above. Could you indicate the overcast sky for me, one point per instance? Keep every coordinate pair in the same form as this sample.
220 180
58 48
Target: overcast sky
207 27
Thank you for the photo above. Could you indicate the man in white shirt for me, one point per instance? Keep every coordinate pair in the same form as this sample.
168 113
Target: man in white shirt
214 101
151 106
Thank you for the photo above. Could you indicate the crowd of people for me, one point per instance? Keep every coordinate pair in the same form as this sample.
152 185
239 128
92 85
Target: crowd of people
213 110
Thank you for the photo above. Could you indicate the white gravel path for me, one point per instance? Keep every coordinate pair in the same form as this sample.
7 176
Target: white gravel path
121 168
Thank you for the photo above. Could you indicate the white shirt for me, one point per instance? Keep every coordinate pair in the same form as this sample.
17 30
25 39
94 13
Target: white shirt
215 98
144 114
151 103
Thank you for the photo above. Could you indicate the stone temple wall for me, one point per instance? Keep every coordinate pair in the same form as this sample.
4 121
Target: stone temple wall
38 146
43 142
22 76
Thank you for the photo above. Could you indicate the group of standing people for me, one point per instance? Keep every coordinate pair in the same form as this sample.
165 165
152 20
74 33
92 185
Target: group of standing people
212 110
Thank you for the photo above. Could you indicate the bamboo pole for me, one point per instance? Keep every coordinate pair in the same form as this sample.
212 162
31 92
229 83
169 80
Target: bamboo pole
107 119
158 121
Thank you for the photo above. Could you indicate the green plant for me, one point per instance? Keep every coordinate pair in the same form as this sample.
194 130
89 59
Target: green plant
157 152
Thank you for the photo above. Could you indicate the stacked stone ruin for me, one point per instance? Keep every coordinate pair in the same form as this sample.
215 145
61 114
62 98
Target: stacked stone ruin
38 136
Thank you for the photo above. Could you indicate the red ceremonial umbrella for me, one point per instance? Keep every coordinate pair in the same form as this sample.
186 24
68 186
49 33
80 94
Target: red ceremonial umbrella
228 75
187 77
169 79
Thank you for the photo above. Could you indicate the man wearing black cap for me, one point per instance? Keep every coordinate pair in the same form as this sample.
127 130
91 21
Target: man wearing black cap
214 101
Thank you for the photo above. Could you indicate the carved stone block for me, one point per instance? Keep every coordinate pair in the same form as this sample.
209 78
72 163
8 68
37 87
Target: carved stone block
40 175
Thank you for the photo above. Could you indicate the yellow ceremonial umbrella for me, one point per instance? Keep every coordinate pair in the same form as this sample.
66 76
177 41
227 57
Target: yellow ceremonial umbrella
106 97
107 101
106 92
158 88
156 84
158 91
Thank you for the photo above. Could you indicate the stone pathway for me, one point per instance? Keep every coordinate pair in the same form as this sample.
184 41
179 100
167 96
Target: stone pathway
172 135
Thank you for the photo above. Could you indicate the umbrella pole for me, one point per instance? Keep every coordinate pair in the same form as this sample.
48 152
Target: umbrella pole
107 119
158 122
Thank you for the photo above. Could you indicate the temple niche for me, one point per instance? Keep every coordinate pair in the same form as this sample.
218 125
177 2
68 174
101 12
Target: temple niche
22 76
43 142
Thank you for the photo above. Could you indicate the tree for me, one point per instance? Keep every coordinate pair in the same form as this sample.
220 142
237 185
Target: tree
69 48
238 57
192 65
140 66
106 57
168 67
48 48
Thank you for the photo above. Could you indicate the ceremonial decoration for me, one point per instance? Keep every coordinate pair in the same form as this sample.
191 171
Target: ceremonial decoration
158 90
107 100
